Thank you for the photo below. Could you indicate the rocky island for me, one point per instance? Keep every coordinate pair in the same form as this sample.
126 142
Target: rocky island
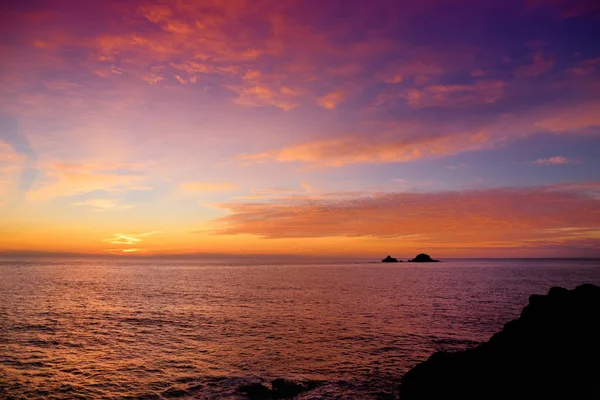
423 258
390 259
550 352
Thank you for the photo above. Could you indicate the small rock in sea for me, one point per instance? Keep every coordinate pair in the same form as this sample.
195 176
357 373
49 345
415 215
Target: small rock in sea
280 389
550 352
256 391
284 389
423 258
390 259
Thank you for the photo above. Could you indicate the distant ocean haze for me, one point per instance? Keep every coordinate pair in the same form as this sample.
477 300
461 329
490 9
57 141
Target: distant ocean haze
202 329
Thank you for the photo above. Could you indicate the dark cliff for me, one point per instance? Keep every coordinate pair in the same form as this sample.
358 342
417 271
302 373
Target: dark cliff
552 351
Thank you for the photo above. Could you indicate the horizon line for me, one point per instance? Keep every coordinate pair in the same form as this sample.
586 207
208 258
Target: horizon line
50 254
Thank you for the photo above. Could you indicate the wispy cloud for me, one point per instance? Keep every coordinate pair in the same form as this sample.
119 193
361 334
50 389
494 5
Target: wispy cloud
586 67
129 238
102 204
12 135
411 141
11 164
207 187
569 119
557 160
72 178
352 150
563 8
132 250
480 92
276 193
421 69
307 187
331 100
538 66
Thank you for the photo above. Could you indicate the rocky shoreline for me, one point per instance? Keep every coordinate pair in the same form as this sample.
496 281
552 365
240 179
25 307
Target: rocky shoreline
550 352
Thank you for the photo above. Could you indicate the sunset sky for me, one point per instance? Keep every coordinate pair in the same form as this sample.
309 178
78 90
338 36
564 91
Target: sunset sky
331 127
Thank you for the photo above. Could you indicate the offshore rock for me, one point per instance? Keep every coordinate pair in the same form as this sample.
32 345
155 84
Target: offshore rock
256 391
390 259
423 258
280 389
552 351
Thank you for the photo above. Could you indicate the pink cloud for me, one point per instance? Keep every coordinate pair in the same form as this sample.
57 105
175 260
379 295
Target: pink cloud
481 92
413 140
586 67
420 69
538 66
564 8
571 118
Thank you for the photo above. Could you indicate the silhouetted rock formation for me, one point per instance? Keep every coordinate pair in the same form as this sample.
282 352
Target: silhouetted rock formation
552 351
280 389
256 391
389 259
423 258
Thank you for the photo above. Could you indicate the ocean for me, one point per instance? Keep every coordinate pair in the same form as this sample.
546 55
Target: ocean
153 329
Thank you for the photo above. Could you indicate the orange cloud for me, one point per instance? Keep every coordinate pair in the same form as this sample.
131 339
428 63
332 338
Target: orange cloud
103 204
332 99
70 178
259 90
307 187
260 96
351 150
517 217
274 193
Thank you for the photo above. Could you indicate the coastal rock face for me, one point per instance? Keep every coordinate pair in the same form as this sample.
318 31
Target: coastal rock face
423 258
389 259
552 351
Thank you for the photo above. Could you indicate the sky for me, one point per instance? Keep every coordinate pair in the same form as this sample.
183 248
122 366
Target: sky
332 127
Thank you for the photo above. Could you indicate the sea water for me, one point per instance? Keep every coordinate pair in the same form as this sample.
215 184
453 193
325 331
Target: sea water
99 329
